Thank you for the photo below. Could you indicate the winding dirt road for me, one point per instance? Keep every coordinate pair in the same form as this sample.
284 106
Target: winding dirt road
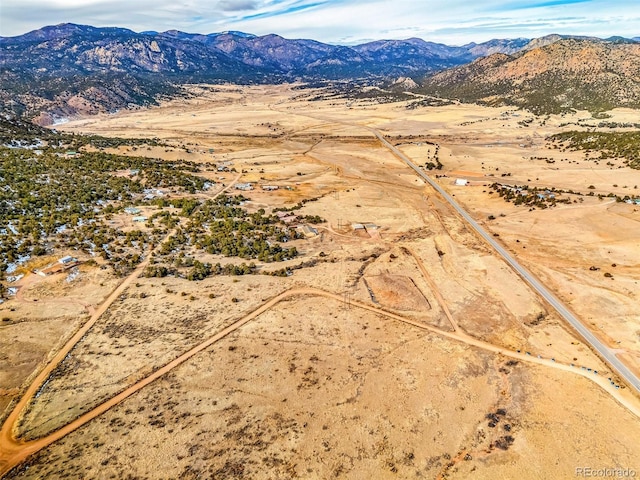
14 451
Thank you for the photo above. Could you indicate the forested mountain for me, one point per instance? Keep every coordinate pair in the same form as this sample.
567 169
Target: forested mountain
69 69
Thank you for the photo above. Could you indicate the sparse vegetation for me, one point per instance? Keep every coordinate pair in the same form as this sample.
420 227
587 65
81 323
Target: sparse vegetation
281 394
609 145
530 197
50 200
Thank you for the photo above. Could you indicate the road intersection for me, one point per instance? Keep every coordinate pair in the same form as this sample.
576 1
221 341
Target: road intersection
605 352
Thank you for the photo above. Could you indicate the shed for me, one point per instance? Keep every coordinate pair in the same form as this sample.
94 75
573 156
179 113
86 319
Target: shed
308 231
66 260
461 182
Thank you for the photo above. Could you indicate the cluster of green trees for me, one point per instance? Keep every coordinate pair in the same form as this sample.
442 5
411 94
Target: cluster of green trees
313 219
436 164
168 219
17 131
78 141
51 201
625 145
200 270
48 200
158 271
222 227
533 197
550 92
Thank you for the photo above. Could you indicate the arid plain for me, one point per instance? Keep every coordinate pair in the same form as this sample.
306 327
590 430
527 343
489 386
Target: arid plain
406 348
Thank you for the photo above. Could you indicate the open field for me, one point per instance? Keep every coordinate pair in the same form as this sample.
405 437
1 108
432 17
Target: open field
405 348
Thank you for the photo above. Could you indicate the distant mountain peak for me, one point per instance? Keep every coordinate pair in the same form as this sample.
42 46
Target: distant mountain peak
554 37
236 33
116 67
508 46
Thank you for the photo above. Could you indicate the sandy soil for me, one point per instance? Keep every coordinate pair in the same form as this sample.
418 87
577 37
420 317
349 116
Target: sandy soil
316 387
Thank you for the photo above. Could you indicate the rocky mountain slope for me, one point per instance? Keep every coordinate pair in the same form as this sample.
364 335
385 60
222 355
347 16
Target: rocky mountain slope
571 73
68 69
497 46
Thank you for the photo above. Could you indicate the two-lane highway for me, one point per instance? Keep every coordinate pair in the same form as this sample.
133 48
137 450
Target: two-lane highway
564 312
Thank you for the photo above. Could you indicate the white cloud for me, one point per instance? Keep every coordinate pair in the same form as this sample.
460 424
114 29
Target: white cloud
338 21
238 5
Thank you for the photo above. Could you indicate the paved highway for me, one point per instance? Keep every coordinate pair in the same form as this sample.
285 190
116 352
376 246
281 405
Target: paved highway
589 337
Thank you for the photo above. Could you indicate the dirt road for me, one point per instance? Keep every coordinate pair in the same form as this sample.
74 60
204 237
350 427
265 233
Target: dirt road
13 451
606 353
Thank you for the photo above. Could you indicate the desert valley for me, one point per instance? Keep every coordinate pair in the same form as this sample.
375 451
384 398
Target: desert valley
365 330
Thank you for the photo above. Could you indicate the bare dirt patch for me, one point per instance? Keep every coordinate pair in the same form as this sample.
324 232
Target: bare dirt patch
397 292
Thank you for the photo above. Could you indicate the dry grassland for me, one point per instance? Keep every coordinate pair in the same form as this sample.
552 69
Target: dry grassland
340 386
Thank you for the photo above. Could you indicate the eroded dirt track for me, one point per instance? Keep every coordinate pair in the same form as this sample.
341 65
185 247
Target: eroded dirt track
445 285
13 451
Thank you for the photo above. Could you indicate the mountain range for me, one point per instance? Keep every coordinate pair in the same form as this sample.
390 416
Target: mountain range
568 74
69 69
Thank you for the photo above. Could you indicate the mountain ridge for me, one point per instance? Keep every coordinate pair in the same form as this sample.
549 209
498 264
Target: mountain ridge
565 75
104 69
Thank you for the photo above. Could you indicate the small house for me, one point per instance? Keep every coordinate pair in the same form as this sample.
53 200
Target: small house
461 182
308 231
66 260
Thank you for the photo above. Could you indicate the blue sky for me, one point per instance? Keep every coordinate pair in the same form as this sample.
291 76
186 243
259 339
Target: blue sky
453 22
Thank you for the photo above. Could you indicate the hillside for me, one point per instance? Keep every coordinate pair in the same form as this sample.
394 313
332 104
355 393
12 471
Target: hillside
568 74
69 69
65 70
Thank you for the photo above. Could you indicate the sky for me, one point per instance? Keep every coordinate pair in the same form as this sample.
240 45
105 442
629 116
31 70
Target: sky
347 22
